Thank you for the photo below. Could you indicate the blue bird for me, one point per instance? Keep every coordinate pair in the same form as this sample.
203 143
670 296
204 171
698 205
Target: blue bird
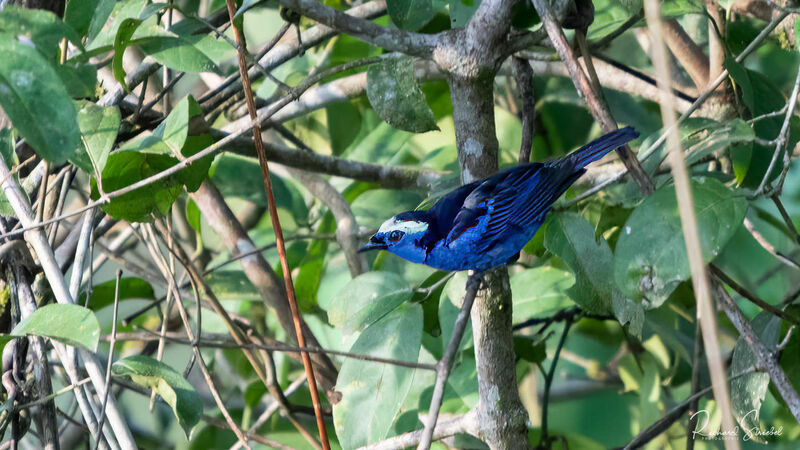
485 224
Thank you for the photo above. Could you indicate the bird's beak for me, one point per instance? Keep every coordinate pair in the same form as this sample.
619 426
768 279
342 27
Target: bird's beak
374 243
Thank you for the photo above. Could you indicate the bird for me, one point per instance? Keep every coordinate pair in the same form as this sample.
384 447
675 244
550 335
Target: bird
484 224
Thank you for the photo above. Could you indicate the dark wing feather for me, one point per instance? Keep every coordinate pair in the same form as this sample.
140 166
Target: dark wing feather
516 198
444 211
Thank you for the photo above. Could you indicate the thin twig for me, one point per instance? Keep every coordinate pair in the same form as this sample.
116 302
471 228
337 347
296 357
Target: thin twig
705 308
110 352
674 414
524 77
548 383
276 346
446 363
276 225
594 100
758 301
765 358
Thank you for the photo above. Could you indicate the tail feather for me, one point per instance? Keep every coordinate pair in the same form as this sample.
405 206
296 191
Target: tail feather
599 147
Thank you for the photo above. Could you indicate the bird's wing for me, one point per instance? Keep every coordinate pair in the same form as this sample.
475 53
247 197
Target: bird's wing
515 198
445 209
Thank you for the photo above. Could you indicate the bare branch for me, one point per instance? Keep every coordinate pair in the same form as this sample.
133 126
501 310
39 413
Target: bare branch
706 314
689 54
765 357
38 240
446 363
594 100
383 37
466 423
346 224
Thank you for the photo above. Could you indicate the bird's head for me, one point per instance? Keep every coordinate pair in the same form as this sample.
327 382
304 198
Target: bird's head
400 235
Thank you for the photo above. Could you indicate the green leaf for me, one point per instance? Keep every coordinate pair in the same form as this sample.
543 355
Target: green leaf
540 291
571 238
410 15
344 123
80 80
733 132
367 298
34 98
461 11
99 126
70 324
748 391
126 168
372 393
760 97
651 271
182 132
103 293
83 15
193 53
44 29
10 157
529 349
194 216
232 285
121 41
393 92
166 382
105 30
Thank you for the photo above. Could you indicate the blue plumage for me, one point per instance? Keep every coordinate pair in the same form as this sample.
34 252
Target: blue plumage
484 224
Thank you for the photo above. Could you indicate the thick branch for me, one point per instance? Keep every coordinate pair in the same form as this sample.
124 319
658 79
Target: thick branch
221 218
387 38
689 54
765 357
391 177
346 224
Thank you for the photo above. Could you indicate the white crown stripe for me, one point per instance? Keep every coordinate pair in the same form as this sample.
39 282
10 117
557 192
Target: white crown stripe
406 226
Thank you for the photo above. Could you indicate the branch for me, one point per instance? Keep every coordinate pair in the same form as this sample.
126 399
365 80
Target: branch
346 225
524 75
383 37
689 54
465 423
765 358
264 279
284 51
706 314
446 363
390 177
594 100
37 239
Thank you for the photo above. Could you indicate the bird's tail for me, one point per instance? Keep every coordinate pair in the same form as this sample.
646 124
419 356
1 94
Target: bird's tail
599 147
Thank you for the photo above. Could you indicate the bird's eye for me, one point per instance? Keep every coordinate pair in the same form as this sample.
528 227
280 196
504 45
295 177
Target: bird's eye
395 235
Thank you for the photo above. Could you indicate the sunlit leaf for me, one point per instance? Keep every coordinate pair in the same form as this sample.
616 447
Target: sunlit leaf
373 393
98 126
166 382
650 258
366 299
70 324
571 238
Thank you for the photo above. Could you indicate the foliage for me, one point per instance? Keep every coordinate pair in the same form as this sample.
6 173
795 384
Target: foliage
610 269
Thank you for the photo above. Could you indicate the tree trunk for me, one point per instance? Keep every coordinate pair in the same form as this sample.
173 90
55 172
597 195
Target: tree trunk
502 420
